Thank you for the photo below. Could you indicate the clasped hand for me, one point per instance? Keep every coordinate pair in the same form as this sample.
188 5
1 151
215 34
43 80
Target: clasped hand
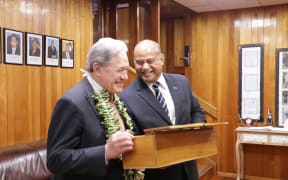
118 144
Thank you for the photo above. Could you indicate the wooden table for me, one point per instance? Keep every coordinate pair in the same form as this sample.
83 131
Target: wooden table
257 135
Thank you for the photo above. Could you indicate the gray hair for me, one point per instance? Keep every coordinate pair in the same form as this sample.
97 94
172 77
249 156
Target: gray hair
103 51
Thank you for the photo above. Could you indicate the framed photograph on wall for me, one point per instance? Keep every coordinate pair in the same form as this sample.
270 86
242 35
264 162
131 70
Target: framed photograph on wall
34 49
251 81
13 46
0 46
52 47
281 98
67 58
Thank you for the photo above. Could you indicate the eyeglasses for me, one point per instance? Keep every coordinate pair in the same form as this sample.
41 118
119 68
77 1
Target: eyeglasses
141 62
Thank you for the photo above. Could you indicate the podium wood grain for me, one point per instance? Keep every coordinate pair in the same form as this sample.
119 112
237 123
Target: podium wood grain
170 145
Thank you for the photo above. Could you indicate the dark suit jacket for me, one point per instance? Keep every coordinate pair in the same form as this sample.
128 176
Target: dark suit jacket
147 112
64 55
17 51
76 140
52 52
36 53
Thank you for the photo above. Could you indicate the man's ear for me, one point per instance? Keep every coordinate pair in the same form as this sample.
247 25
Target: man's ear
96 69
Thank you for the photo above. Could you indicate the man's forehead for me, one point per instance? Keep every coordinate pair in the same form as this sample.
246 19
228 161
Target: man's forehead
146 49
149 53
144 57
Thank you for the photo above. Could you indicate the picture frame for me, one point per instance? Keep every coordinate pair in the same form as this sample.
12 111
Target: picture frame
251 65
52 47
281 84
0 45
34 49
13 46
67 55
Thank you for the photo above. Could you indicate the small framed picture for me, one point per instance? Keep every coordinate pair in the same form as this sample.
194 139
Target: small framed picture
34 49
67 58
52 47
0 46
13 46
281 83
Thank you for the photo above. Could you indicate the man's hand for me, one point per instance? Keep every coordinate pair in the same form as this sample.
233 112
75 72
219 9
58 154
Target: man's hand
118 144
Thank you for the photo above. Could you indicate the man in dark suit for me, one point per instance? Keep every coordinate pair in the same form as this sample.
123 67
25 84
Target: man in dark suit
52 51
13 46
144 99
76 147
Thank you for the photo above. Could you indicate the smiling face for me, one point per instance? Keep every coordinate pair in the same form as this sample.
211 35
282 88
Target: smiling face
113 75
34 44
52 43
148 61
68 47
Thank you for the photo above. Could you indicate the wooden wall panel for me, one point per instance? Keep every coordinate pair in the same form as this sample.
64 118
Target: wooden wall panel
172 44
164 42
28 93
216 38
134 23
122 30
179 36
155 21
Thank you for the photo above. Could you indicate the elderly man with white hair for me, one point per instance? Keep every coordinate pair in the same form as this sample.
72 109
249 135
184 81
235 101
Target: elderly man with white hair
90 128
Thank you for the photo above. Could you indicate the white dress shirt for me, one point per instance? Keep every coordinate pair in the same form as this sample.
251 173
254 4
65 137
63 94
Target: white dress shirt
13 51
67 55
163 88
96 87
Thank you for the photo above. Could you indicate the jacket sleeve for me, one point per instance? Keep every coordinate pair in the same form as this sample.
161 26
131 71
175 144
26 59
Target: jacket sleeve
64 151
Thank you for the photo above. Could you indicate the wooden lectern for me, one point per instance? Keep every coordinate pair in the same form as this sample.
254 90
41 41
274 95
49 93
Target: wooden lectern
165 146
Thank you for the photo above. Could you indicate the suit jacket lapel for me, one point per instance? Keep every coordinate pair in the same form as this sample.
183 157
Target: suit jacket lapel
174 91
146 94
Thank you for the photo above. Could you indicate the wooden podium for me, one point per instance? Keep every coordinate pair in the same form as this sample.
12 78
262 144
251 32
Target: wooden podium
165 146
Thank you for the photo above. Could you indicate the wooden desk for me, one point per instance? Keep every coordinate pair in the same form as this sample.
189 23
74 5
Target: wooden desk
257 135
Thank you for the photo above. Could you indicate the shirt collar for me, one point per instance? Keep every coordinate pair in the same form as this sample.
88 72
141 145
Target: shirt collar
161 81
96 87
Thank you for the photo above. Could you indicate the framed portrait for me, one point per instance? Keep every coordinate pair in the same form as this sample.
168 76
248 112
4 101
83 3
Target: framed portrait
34 49
13 46
52 47
67 56
281 98
0 46
251 81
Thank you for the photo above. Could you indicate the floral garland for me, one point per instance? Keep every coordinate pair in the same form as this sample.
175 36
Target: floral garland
111 124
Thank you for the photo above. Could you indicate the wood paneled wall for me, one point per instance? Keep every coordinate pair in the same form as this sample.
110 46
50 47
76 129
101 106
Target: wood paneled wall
216 38
172 32
28 93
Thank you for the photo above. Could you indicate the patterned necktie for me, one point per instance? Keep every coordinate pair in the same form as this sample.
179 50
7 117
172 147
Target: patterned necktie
160 97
